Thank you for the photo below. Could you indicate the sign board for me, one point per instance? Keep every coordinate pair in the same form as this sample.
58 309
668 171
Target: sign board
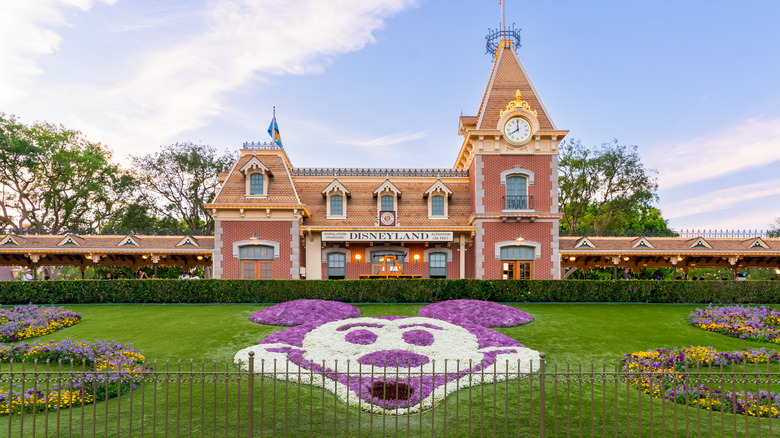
387 236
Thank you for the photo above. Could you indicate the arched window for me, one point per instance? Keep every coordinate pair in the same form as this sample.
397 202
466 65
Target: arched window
256 184
437 205
337 265
387 203
256 261
517 262
437 265
516 193
336 205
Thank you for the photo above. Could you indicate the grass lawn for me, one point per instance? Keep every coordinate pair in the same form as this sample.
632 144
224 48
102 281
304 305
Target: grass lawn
565 332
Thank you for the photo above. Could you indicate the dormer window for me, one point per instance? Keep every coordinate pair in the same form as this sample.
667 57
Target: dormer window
256 175
438 195
336 205
256 184
437 205
387 195
388 203
336 200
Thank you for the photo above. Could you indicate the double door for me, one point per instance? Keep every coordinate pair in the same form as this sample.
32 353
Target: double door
517 269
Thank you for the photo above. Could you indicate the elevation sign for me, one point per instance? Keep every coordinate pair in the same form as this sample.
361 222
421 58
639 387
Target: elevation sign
395 236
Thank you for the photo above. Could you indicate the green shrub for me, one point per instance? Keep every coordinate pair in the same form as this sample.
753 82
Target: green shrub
386 291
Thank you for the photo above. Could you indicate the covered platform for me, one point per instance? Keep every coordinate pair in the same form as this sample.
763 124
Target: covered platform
677 253
131 251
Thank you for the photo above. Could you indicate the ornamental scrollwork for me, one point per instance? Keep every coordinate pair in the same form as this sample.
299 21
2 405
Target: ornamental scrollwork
518 103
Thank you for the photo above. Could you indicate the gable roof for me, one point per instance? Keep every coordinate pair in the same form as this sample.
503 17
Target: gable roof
757 243
438 186
188 241
254 163
9 240
128 241
335 185
509 76
584 243
280 190
70 240
700 243
642 242
387 186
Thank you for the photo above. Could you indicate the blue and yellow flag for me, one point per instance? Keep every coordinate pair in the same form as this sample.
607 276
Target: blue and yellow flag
273 131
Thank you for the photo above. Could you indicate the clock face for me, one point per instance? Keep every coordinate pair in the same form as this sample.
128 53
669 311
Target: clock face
387 218
517 130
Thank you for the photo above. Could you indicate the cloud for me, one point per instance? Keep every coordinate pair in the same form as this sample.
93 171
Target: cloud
387 140
721 199
27 33
181 84
748 144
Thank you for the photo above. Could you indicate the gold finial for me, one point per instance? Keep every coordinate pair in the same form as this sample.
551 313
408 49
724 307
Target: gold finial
518 103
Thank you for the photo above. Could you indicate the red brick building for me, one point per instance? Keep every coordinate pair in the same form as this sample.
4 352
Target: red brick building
494 214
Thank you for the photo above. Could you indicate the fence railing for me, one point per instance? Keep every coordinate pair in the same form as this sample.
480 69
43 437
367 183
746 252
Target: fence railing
378 172
707 234
519 202
200 398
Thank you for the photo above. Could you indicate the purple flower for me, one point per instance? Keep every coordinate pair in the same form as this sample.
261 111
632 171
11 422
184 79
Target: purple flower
304 311
484 313
22 322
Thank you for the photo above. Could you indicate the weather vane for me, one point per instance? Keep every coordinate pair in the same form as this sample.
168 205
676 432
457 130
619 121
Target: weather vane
494 37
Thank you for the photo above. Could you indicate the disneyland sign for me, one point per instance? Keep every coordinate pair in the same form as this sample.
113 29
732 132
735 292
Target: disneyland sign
387 236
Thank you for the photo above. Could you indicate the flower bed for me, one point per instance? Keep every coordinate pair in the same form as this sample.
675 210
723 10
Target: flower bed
752 323
114 368
661 373
484 313
22 322
301 311
393 364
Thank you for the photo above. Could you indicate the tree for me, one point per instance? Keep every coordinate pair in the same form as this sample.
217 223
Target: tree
599 187
54 180
774 229
179 180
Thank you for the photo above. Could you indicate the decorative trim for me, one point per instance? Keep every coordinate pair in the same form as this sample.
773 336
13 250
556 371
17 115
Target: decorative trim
371 250
757 243
254 164
337 249
700 243
518 103
642 243
69 240
536 245
252 242
8 241
438 186
128 241
584 243
335 186
518 170
387 186
188 241
437 248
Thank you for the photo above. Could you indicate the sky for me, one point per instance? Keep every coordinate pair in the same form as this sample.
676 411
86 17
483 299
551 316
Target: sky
382 83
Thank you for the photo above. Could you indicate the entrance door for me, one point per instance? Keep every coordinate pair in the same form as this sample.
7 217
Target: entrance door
256 269
517 270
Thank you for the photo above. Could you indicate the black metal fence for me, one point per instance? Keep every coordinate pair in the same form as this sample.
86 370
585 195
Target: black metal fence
555 399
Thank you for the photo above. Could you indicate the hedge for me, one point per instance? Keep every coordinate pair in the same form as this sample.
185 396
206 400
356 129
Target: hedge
386 291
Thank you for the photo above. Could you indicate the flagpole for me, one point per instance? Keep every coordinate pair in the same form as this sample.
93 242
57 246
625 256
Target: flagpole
502 14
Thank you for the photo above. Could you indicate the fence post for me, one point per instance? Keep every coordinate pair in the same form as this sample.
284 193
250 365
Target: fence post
250 419
541 394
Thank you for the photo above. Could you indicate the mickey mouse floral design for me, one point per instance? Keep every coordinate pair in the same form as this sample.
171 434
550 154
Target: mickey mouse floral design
396 363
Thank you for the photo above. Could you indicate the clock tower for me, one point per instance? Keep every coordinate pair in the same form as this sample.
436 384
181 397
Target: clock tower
511 151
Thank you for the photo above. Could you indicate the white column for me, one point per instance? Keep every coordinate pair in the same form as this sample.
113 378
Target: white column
462 256
313 256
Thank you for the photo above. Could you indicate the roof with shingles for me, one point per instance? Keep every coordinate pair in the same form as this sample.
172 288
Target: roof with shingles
280 189
507 77
112 243
361 206
660 244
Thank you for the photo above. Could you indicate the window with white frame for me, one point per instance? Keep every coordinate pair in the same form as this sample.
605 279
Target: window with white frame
437 206
336 205
337 265
437 265
387 203
256 184
517 193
